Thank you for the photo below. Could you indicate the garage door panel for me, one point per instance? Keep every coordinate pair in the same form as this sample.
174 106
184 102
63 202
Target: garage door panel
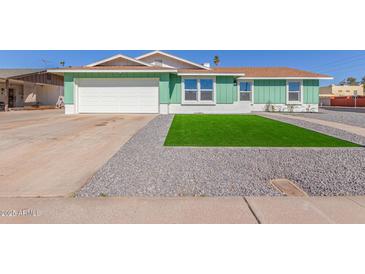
118 96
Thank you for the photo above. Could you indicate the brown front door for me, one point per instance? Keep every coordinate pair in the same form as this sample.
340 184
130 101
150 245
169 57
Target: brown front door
12 98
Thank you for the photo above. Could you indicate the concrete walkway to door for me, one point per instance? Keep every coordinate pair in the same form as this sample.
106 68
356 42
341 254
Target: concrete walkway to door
45 153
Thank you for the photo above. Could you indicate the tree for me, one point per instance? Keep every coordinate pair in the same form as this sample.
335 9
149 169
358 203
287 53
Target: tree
363 81
216 60
351 80
62 63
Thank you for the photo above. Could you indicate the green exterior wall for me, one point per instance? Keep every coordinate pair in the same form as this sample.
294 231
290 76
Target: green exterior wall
68 88
265 91
274 91
269 91
226 90
175 89
310 91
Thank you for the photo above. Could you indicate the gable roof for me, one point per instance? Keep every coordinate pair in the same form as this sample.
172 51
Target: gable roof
13 73
260 72
173 57
113 69
133 60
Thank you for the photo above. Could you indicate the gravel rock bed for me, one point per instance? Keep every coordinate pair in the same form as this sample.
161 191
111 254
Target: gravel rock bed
340 116
144 167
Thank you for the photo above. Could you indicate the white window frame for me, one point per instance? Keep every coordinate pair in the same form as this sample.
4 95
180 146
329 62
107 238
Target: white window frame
198 101
301 92
239 91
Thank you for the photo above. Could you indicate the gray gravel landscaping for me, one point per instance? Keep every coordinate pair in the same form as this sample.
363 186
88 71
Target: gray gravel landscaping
144 167
354 117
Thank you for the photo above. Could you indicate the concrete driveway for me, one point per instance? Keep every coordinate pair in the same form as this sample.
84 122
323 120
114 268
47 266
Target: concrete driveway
48 154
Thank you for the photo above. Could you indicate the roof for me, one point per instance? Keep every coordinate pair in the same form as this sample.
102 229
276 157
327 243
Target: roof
114 69
246 72
156 52
13 73
260 72
118 56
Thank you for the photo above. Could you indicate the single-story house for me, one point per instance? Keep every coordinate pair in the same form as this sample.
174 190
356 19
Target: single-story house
158 82
29 87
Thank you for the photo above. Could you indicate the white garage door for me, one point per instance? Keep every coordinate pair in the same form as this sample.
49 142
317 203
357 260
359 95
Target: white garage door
118 95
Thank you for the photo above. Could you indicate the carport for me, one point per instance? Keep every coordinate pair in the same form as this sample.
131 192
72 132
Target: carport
29 87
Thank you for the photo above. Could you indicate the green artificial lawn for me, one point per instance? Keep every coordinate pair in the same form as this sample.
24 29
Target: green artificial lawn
244 131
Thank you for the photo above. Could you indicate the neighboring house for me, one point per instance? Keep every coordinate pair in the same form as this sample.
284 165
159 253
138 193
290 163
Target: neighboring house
29 87
332 94
158 82
331 91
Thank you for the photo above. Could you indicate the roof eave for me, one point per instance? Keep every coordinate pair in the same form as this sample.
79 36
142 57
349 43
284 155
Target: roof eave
116 57
209 74
289 78
106 70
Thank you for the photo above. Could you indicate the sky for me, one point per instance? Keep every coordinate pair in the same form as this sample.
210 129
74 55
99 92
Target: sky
338 64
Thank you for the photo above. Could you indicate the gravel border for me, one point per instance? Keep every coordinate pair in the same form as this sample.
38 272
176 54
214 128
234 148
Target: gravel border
144 167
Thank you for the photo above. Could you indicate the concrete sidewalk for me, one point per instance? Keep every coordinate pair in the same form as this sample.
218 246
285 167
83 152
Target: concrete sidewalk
245 210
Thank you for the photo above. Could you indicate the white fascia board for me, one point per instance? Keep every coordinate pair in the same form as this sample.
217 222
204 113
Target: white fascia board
285 78
116 57
210 74
173 57
106 70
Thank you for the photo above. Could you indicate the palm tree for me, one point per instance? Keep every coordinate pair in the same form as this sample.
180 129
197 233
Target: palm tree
216 60
62 63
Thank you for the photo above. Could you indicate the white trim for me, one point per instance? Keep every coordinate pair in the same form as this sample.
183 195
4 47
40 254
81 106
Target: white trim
209 74
235 108
252 91
284 78
69 109
198 101
171 56
116 57
301 93
108 70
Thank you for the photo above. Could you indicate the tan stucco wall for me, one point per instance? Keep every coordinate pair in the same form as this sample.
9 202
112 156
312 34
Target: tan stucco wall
345 90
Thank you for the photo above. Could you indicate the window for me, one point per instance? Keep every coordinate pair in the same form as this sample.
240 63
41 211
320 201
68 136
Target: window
246 91
206 89
294 91
198 90
191 89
